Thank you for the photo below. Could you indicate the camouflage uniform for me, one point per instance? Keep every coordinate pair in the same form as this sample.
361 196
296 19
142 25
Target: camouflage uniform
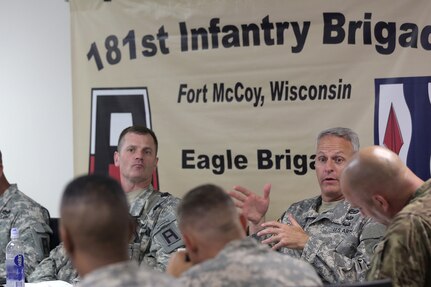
32 221
125 274
246 263
157 235
341 240
57 266
404 255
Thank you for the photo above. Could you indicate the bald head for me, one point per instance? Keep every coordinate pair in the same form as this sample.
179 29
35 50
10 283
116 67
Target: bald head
95 217
375 168
377 181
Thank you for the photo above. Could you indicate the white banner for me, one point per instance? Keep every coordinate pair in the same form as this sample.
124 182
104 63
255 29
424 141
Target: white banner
237 90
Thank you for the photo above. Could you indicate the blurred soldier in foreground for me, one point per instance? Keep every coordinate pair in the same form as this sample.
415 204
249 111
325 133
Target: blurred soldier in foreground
379 183
220 254
326 231
96 228
32 220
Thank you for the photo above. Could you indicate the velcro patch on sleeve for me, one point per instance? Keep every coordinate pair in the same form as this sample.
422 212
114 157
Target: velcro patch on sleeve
170 237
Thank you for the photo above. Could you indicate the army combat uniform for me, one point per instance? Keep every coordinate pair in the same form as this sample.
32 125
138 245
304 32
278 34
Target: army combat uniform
157 236
157 233
57 266
32 220
247 263
404 255
126 274
341 240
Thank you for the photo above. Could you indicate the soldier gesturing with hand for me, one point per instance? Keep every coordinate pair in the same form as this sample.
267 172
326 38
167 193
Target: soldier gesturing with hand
325 230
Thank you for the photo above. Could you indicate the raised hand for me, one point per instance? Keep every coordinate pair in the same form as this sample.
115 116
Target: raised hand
251 205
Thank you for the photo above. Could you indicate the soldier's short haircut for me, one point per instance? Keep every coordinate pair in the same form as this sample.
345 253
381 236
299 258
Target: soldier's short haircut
341 132
140 130
95 209
207 206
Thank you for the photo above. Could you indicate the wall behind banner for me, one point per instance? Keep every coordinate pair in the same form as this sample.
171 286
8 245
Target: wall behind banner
35 97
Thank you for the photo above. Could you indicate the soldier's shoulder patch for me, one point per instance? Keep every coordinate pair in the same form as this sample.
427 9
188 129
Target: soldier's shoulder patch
169 237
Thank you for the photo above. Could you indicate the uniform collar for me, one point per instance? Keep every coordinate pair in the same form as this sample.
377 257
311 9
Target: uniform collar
140 202
11 190
7 195
421 191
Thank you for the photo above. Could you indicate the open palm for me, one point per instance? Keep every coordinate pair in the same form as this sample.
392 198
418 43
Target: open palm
252 206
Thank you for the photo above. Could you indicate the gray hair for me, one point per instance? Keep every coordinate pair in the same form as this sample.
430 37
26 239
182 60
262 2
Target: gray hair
344 133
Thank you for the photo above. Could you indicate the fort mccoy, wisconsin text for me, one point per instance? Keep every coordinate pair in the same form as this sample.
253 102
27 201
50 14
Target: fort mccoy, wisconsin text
279 91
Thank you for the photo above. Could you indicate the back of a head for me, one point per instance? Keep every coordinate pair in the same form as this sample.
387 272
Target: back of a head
94 211
1 158
374 169
341 132
209 211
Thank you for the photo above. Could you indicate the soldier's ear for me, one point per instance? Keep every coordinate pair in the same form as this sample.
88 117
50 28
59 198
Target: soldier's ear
116 159
192 243
188 241
66 239
381 202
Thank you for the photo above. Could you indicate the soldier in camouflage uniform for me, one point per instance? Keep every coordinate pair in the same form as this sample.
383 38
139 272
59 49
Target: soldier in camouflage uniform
96 229
220 253
379 183
157 234
325 231
31 219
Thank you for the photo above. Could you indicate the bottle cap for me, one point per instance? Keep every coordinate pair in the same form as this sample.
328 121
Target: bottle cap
14 233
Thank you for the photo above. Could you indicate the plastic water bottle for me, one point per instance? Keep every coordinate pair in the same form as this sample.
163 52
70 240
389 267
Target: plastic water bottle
15 276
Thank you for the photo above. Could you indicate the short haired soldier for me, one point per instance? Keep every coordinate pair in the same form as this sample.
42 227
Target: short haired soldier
221 254
324 230
96 228
32 220
157 233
